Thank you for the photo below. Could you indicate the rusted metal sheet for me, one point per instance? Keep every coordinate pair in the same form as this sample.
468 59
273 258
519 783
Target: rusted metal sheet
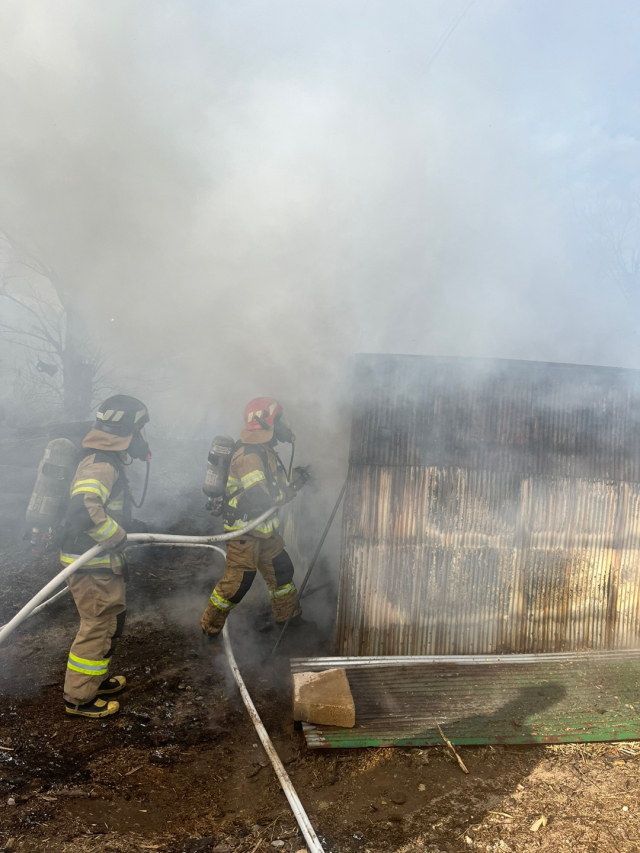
491 507
562 698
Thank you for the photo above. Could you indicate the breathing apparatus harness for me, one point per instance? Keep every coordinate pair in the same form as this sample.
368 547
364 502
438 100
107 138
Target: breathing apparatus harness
223 449
49 537
271 479
218 473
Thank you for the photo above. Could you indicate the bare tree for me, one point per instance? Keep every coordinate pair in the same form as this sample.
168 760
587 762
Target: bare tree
48 324
613 222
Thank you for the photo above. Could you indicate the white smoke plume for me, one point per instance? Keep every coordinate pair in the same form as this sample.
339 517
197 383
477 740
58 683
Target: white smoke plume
241 195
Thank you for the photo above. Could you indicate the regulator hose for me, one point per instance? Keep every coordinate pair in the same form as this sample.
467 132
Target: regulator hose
146 485
293 452
300 592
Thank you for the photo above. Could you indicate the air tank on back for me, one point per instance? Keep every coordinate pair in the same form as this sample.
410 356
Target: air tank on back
50 495
215 480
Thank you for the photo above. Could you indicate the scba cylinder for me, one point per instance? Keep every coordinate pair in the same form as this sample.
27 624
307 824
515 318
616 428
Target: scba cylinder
215 479
50 494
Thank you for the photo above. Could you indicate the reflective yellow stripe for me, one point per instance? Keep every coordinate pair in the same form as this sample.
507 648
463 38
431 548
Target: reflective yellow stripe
280 591
105 531
94 663
115 506
87 667
100 560
92 487
266 527
220 602
233 502
233 485
252 478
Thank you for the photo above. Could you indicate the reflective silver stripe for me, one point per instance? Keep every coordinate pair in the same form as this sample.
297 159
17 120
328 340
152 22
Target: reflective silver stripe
92 487
281 591
105 531
87 667
252 478
220 602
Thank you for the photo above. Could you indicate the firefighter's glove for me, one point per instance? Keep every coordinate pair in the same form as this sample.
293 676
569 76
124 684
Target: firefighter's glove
137 526
300 477
120 547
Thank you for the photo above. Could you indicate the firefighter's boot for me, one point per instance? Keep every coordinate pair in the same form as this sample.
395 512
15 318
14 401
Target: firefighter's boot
299 622
94 710
112 685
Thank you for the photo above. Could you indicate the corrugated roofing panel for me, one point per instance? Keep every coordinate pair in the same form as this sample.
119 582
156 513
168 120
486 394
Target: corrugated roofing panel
508 699
531 417
491 506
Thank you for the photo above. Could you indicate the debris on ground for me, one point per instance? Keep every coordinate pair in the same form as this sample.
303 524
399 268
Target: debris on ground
179 770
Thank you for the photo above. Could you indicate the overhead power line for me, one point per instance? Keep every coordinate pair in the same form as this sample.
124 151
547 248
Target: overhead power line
446 35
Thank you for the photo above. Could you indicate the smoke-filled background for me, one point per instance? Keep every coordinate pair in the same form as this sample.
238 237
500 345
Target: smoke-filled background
239 195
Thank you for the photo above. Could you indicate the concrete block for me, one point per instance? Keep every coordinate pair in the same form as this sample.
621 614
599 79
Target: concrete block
323 698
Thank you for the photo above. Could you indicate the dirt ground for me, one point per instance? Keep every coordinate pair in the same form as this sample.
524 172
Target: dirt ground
180 770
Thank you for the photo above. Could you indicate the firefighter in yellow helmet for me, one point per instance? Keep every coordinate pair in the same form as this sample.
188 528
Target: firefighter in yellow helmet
98 511
257 481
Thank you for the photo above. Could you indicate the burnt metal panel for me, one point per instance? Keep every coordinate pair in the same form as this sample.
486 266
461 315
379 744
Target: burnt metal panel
558 698
492 506
526 416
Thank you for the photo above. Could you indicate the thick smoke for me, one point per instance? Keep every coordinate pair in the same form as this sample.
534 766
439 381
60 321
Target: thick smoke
241 195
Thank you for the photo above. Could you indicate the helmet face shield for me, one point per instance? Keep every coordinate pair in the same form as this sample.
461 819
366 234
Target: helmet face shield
282 432
138 448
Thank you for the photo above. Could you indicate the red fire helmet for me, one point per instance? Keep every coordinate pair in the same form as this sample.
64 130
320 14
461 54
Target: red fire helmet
261 413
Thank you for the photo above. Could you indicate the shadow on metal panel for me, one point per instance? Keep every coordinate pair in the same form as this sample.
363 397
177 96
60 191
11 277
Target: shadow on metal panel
510 699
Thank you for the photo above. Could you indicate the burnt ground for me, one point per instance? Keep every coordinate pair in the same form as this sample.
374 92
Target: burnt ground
180 769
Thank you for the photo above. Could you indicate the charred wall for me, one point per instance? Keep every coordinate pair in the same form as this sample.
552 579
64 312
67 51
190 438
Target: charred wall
492 506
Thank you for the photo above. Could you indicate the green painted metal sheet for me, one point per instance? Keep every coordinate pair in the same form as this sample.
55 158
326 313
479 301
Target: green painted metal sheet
512 699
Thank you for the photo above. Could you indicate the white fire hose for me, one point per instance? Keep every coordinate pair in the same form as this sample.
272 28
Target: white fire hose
134 539
66 589
40 601
297 808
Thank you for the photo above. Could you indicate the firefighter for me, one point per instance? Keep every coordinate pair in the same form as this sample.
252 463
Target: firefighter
257 481
98 512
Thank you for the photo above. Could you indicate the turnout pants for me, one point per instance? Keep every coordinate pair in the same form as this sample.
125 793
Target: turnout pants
244 558
101 601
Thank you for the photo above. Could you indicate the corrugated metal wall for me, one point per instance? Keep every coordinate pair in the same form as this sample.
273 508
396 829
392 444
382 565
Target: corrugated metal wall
492 506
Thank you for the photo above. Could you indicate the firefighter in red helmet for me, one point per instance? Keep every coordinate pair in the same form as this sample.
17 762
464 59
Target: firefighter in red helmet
257 481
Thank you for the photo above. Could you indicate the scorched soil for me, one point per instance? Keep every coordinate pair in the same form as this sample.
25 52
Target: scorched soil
180 770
